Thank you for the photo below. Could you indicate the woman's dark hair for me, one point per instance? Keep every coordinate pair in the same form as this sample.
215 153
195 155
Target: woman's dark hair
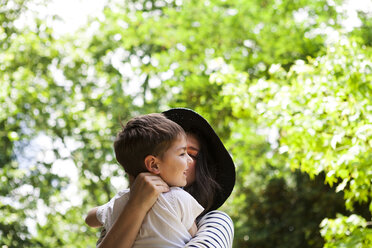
205 188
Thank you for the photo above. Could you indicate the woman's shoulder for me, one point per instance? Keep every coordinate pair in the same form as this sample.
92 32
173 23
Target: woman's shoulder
214 228
217 217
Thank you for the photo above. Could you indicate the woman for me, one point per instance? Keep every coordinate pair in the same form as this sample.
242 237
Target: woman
210 180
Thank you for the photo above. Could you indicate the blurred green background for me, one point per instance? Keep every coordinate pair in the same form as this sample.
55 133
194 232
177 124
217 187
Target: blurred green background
285 83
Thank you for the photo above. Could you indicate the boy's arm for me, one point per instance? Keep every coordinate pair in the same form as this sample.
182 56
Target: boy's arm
188 208
91 219
143 194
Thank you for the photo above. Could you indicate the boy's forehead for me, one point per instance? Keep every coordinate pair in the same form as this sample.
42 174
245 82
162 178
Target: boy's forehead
179 142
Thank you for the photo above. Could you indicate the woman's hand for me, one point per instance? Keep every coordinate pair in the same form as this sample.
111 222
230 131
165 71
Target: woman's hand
145 189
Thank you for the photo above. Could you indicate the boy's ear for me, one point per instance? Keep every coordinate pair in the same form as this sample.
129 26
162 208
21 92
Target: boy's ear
152 164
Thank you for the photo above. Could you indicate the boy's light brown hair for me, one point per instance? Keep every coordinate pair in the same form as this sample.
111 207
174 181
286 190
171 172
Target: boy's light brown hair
144 135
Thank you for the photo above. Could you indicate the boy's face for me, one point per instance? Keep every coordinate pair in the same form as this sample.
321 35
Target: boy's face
174 163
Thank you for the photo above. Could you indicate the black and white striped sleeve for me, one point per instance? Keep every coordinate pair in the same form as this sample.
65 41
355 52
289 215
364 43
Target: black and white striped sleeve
215 229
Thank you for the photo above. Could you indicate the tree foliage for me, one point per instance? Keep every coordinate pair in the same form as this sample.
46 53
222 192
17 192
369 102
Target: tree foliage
284 84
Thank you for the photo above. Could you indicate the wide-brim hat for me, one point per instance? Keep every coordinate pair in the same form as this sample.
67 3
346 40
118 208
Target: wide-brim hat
225 169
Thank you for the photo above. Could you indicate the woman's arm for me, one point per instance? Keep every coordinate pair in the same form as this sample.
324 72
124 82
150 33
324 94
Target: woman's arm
143 194
215 229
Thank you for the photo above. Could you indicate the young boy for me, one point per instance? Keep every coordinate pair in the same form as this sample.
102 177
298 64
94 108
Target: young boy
156 144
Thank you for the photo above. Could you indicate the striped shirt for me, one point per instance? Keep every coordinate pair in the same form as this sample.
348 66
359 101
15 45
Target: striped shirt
215 229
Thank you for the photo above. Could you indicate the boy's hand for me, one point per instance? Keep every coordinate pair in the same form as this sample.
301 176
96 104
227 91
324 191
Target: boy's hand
145 189
91 219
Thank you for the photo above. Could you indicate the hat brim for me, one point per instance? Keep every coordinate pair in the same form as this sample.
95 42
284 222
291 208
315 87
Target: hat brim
225 169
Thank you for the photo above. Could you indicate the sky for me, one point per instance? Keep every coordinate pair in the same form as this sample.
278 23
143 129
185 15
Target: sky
74 13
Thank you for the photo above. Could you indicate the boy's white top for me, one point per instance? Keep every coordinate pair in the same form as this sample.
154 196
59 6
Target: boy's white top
167 222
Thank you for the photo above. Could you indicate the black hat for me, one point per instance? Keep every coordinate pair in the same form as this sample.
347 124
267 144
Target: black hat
225 169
